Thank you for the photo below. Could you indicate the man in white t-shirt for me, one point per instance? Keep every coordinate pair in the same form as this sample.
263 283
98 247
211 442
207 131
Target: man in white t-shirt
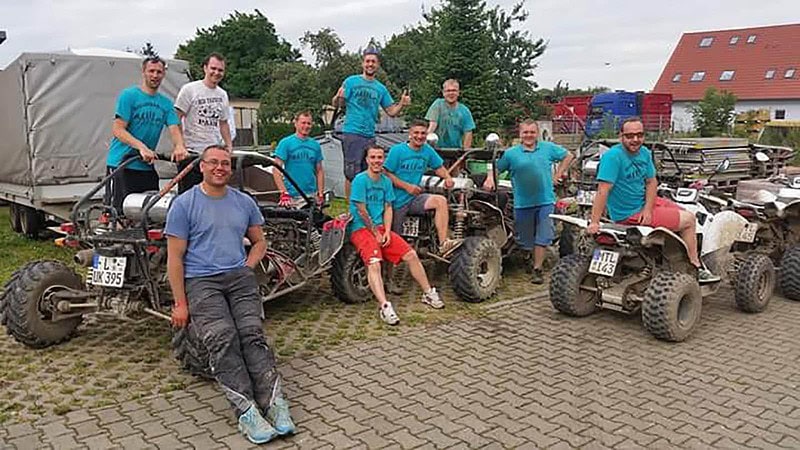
203 108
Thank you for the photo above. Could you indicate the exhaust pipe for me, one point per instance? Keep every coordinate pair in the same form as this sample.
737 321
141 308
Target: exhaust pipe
84 257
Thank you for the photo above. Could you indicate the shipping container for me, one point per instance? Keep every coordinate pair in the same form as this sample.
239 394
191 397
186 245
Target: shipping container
656 112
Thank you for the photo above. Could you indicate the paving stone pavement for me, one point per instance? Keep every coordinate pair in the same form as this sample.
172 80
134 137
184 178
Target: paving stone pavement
523 376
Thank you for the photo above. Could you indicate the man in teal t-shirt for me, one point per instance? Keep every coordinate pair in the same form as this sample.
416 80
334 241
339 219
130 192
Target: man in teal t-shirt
406 164
531 165
363 97
450 119
301 157
371 207
627 186
141 113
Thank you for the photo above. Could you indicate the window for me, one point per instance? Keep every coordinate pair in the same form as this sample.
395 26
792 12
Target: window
769 74
698 76
780 114
734 40
751 39
789 73
706 41
676 78
726 75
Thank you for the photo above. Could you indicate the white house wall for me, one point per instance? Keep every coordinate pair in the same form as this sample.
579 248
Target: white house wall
682 118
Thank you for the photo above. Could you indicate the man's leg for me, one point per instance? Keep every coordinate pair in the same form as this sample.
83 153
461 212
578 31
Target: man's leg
398 217
210 314
246 309
399 250
354 151
441 217
370 252
688 232
543 234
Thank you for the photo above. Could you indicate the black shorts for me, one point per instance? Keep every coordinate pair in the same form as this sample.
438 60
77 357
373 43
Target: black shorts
128 181
191 179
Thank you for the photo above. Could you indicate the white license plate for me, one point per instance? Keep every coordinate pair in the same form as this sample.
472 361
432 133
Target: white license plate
748 233
604 262
109 271
585 197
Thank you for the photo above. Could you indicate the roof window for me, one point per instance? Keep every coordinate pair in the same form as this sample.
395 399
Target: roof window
751 39
734 40
769 74
706 41
789 73
726 75
698 76
676 78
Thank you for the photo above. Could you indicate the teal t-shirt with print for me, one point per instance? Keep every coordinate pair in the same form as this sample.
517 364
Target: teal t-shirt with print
363 98
628 174
146 115
451 123
300 158
375 193
532 172
409 165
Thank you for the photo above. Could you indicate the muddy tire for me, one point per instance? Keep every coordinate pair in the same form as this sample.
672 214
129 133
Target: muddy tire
25 317
189 350
565 293
755 282
349 276
790 273
476 269
672 306
14 218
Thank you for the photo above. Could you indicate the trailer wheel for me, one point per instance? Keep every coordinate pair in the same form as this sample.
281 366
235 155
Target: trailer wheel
31 221
14 218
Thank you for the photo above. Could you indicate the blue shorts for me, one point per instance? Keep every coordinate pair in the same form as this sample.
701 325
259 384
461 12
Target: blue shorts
354 150
533 226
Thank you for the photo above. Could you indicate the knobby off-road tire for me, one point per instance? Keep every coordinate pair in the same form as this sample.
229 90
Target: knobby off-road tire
565 293
790 273
755 282
25 320
476 269
349 276
672 306
9 287
190 351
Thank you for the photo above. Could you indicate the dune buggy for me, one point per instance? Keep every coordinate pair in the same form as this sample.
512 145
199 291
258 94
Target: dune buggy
125 261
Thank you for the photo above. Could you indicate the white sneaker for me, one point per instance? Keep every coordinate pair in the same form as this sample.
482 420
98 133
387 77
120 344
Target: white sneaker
388 315
432 299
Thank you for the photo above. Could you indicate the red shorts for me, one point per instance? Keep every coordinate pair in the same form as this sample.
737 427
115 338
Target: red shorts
371 251
666 214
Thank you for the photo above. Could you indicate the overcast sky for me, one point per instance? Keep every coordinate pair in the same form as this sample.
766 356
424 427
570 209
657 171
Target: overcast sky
617 43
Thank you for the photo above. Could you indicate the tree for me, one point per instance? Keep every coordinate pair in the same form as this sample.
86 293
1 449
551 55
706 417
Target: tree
485 49
251 48
714 113
563 90
293 88
148 50
333 64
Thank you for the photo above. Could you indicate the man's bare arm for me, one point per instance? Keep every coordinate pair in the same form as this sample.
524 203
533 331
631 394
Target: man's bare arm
277 175
225 131
466 141
600 200
176 249
258 246
362 211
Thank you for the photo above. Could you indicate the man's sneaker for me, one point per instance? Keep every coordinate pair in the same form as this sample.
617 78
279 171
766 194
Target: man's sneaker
388 315
280 418
254 427
449 246
537 277
432 299
706 276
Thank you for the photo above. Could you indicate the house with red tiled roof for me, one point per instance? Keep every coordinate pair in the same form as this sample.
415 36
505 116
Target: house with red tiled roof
760 65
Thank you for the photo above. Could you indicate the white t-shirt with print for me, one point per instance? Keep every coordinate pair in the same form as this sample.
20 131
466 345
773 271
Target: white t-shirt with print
203 108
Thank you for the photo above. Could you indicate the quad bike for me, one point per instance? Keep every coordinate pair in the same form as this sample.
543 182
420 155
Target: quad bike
636 268
476 216
125 258
773 231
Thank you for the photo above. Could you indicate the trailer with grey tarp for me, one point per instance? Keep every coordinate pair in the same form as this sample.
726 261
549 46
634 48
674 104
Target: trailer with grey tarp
57 110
